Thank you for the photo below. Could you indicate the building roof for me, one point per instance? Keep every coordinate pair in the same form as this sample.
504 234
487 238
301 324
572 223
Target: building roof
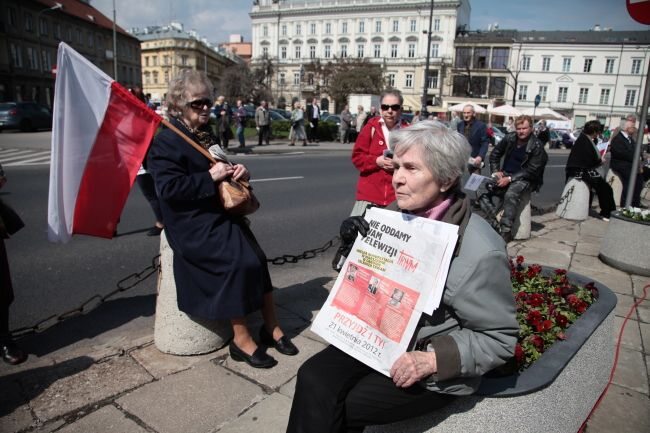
84 11
152 33
585 37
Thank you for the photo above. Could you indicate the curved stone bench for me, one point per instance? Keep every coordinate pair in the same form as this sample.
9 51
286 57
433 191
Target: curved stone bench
574 202
175 332
555 394
625 245
614 180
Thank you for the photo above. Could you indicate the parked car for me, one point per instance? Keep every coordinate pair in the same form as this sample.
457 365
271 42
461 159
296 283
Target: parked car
407 116
284 113
26 116
277 117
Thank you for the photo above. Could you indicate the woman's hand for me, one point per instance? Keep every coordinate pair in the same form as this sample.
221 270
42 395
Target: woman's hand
241 172
220 171
385 163
412 367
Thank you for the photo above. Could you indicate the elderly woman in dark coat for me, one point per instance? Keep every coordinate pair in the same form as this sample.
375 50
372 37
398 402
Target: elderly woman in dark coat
473 331
219 268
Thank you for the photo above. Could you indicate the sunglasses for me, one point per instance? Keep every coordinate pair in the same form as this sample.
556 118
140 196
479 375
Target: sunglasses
393 107
198 104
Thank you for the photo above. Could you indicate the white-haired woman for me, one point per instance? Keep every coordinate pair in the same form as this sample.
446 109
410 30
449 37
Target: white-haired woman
472 332
219 269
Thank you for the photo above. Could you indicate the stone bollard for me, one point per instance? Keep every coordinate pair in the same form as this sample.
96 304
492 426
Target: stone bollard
175 332
574 203
616 183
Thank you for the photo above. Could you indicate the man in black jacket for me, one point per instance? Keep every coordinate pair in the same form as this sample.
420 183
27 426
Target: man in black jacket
623 145
583 161
524 160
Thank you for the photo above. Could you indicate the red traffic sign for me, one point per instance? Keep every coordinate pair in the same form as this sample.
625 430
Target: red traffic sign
639 10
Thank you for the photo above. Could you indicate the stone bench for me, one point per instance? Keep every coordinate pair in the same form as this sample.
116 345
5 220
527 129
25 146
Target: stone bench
614 180
175 332
574 202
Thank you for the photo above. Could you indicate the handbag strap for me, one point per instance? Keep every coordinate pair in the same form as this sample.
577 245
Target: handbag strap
195 145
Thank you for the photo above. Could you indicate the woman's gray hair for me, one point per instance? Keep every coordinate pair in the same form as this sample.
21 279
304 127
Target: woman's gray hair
445 152
180 86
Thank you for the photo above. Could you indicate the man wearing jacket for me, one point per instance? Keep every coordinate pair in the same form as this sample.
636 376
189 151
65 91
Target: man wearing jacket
623 145
263 123
313 116
524 160
476 133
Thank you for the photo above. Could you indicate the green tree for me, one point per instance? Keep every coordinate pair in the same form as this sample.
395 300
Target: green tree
354 76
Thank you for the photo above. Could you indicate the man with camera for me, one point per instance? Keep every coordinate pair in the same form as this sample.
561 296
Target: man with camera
522 170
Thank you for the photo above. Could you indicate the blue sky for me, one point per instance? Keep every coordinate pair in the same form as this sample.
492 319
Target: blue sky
216 19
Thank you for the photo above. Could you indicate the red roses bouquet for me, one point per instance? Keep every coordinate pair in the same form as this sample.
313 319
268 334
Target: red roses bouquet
546 306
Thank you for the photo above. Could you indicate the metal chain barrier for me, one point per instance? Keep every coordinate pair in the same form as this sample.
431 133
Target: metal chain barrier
138 277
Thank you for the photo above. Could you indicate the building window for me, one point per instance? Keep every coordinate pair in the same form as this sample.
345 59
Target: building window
91 40
310 79
377 50
154 59
432 80
282 79
29 22
630 97
344 50
525 63
636 66
411 51
165 60
583 96
523 92
396 25
32 58
566 64
481 58
11 16
42 26
562 94
587 65
393 50
391 80
146 60
328 28
463 57
500 58
436 25
434 50
283 29
297 52
155 77
183 60
312 28
57 31
298 29
312 51
543 92
604 97
80 41
344 27
414 25
16 55
296 78
360 50
265 30
265 51
166 77
283 52
609 66
378 26
362 26
328 51
497 87
409 80
546 64
147 78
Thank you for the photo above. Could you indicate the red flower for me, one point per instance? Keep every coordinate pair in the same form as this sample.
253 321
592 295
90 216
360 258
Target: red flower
535 300
538 342
561 320
534 316
533 271
560 272
520 260
520 355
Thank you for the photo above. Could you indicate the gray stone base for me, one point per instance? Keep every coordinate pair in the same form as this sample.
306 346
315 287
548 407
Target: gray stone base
626 244
574 202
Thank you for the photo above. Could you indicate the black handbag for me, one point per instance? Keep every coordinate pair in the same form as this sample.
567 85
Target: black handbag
10 222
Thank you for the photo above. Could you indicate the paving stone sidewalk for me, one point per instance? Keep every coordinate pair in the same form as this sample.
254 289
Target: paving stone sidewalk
119 382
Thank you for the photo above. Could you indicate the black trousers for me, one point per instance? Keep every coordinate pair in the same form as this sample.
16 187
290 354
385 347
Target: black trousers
146 184
264 135
638 186
604 192
313 131
503 198
6 293
335 393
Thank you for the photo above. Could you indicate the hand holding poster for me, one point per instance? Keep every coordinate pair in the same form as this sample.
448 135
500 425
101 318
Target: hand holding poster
390 277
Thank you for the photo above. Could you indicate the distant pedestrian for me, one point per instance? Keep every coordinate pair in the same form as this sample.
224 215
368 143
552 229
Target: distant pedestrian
313 117
623 146
240 122
297 125
361 118
263 123
346 125
373 113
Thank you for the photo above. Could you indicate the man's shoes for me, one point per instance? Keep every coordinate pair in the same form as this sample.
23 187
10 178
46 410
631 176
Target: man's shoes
283 345
291 144
259 358
155 231
11 353
604 218
506 235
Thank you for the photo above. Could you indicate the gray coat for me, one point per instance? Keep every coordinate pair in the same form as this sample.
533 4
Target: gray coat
475 328
262 117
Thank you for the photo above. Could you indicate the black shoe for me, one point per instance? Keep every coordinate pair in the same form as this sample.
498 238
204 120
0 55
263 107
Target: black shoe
12 354
283 345
154 231
259 359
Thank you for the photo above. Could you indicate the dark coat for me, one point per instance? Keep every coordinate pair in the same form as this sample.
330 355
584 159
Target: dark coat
622 155
478 137
219 269
583 155
532 169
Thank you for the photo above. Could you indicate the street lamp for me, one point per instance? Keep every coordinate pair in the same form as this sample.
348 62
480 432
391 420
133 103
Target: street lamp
426 68
39 54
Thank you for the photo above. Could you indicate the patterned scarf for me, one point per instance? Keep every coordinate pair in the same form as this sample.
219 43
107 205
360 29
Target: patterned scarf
203 134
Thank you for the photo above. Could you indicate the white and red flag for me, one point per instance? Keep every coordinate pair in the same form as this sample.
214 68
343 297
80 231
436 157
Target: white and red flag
100 135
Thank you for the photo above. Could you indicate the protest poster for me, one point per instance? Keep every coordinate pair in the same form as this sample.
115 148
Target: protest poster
391 276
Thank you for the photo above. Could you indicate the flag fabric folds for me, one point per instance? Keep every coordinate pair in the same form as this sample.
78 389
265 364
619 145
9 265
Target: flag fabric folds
100 135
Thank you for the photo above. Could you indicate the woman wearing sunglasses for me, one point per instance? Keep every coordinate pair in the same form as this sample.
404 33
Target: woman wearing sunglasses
219 269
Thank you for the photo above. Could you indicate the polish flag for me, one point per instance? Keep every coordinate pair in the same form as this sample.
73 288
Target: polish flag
100 135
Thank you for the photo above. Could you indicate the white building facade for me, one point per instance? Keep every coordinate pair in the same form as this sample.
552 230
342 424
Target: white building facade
392 34
584 75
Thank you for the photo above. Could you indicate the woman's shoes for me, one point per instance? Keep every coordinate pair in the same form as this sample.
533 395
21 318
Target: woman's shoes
283 345
259 359
11 353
